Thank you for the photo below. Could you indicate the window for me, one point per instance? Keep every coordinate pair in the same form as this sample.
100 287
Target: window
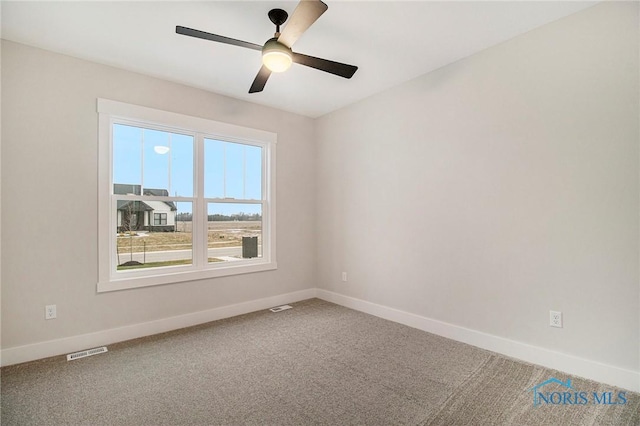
160 219
181 198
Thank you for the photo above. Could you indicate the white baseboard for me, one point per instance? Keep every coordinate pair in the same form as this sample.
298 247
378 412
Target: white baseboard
56 347
570 364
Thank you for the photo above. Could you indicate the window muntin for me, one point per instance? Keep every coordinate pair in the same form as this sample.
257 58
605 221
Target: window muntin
183 170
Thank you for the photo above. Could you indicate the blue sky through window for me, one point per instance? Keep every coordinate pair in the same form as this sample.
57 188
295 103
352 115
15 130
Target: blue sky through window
164 160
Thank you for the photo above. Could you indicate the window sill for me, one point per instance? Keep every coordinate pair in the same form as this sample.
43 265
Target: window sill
127 283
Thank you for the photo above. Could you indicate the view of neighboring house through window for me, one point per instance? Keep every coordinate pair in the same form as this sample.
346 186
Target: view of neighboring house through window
183 200
153 169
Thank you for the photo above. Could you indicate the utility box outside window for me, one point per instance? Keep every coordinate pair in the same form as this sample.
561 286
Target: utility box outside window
249 247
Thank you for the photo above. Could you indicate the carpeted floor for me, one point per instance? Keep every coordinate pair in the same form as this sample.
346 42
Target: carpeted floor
316 364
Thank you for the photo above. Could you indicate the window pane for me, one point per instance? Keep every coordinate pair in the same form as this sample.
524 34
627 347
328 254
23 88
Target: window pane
153 234
168 164
156 162
213 168
253 174
234 231
233 170
127 156
153 162
181 165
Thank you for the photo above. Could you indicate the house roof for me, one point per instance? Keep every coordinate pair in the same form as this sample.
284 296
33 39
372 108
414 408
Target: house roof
126 189
133 189
156 192
135 206
161 205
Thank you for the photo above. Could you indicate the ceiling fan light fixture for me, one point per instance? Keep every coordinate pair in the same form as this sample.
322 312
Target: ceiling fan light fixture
276 52
276 56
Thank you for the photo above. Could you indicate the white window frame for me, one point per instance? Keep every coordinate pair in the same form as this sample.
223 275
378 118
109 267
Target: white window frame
109 279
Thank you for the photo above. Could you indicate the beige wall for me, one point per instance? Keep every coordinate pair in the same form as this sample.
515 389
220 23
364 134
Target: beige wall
493 190
483 194
49 158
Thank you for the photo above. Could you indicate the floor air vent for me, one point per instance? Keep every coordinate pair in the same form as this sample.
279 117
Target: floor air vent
84 354
281 308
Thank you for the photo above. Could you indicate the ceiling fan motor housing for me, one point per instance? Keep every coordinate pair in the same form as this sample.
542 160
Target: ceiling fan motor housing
276 56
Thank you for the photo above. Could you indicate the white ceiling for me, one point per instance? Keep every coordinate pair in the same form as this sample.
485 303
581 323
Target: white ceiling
390 41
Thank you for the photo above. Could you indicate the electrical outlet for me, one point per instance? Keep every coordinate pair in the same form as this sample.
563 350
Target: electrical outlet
555 319
50 312
344 277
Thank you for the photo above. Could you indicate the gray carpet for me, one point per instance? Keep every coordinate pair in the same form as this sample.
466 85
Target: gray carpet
317 364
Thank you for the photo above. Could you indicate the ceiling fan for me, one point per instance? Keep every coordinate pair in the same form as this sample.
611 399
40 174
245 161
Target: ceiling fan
277 55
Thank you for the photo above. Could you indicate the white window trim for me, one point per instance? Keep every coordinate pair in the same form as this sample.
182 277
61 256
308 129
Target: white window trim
110 280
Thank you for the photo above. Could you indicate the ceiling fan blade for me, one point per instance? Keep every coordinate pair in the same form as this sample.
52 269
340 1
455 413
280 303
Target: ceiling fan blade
260 80
337 68
305 14
214 37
